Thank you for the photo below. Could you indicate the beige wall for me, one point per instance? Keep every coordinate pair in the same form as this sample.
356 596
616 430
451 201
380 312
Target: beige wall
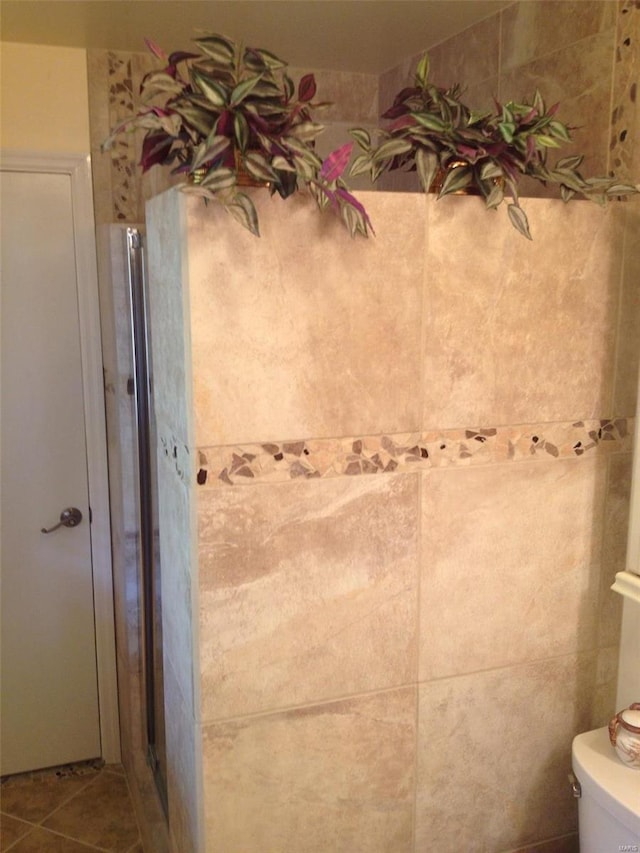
407 473
44 99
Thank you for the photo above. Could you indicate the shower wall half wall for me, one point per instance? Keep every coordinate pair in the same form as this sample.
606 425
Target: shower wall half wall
394 490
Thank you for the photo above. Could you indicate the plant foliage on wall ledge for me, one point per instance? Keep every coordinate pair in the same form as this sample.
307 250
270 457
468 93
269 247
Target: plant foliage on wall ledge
230 116
455 149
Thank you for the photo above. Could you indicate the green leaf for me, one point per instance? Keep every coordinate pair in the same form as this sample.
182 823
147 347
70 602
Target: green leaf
299 148
566 194
282 164
306 131
218 48
209 151
362 137
159 83
391 148
243 89
490 170
258 167
360 165
257 59
241 131
494 197
456 179
430 121
519 220
547 141
201 119
507 129
243 210
560 130
570 162
213 90
422 71
219 179
427 166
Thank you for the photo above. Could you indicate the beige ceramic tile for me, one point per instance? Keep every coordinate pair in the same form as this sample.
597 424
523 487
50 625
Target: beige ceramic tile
472 56
565 844
183 750
101 814
305 332
352 97
625 116
579 77
517 548
534 29
307 592
494 749
628 346
604 698
520 331
179 565
336 777
614 549
168 313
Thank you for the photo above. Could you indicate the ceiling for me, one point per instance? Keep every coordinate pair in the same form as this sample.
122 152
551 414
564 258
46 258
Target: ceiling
351 35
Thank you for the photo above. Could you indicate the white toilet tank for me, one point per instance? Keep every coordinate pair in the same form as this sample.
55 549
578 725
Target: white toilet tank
609 806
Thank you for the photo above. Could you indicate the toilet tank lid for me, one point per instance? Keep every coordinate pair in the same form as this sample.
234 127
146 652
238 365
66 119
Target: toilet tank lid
603 776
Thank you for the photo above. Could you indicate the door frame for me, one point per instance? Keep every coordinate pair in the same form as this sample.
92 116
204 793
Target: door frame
78 167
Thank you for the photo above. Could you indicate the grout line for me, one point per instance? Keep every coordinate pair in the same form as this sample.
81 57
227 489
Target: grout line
75 840
592 650
70 797
418 610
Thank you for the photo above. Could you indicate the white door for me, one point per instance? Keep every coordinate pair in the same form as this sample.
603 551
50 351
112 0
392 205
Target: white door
49 687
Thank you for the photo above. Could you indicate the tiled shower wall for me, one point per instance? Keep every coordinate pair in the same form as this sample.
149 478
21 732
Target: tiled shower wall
395 476
576 53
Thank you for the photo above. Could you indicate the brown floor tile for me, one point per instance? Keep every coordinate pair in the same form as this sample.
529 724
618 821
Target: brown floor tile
41 841
10 830
33 796
101 814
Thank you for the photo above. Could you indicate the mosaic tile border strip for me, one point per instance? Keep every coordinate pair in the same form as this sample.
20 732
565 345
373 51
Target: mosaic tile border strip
625 89
279 462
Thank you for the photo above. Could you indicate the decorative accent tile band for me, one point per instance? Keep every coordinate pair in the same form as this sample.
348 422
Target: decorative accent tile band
278 462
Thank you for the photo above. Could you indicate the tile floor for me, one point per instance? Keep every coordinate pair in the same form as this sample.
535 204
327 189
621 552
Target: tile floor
73 809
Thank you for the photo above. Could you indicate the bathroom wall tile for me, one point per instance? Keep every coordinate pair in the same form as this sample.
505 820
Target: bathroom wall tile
469 57
624 154
179 566
566 844
514 334
329 335
614 547
520 545
628 342
333 777
184 768
169 313
531 30
494 750
603 705
579 77
307 592
352 97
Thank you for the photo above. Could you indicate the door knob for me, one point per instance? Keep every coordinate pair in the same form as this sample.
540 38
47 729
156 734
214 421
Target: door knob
70 517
